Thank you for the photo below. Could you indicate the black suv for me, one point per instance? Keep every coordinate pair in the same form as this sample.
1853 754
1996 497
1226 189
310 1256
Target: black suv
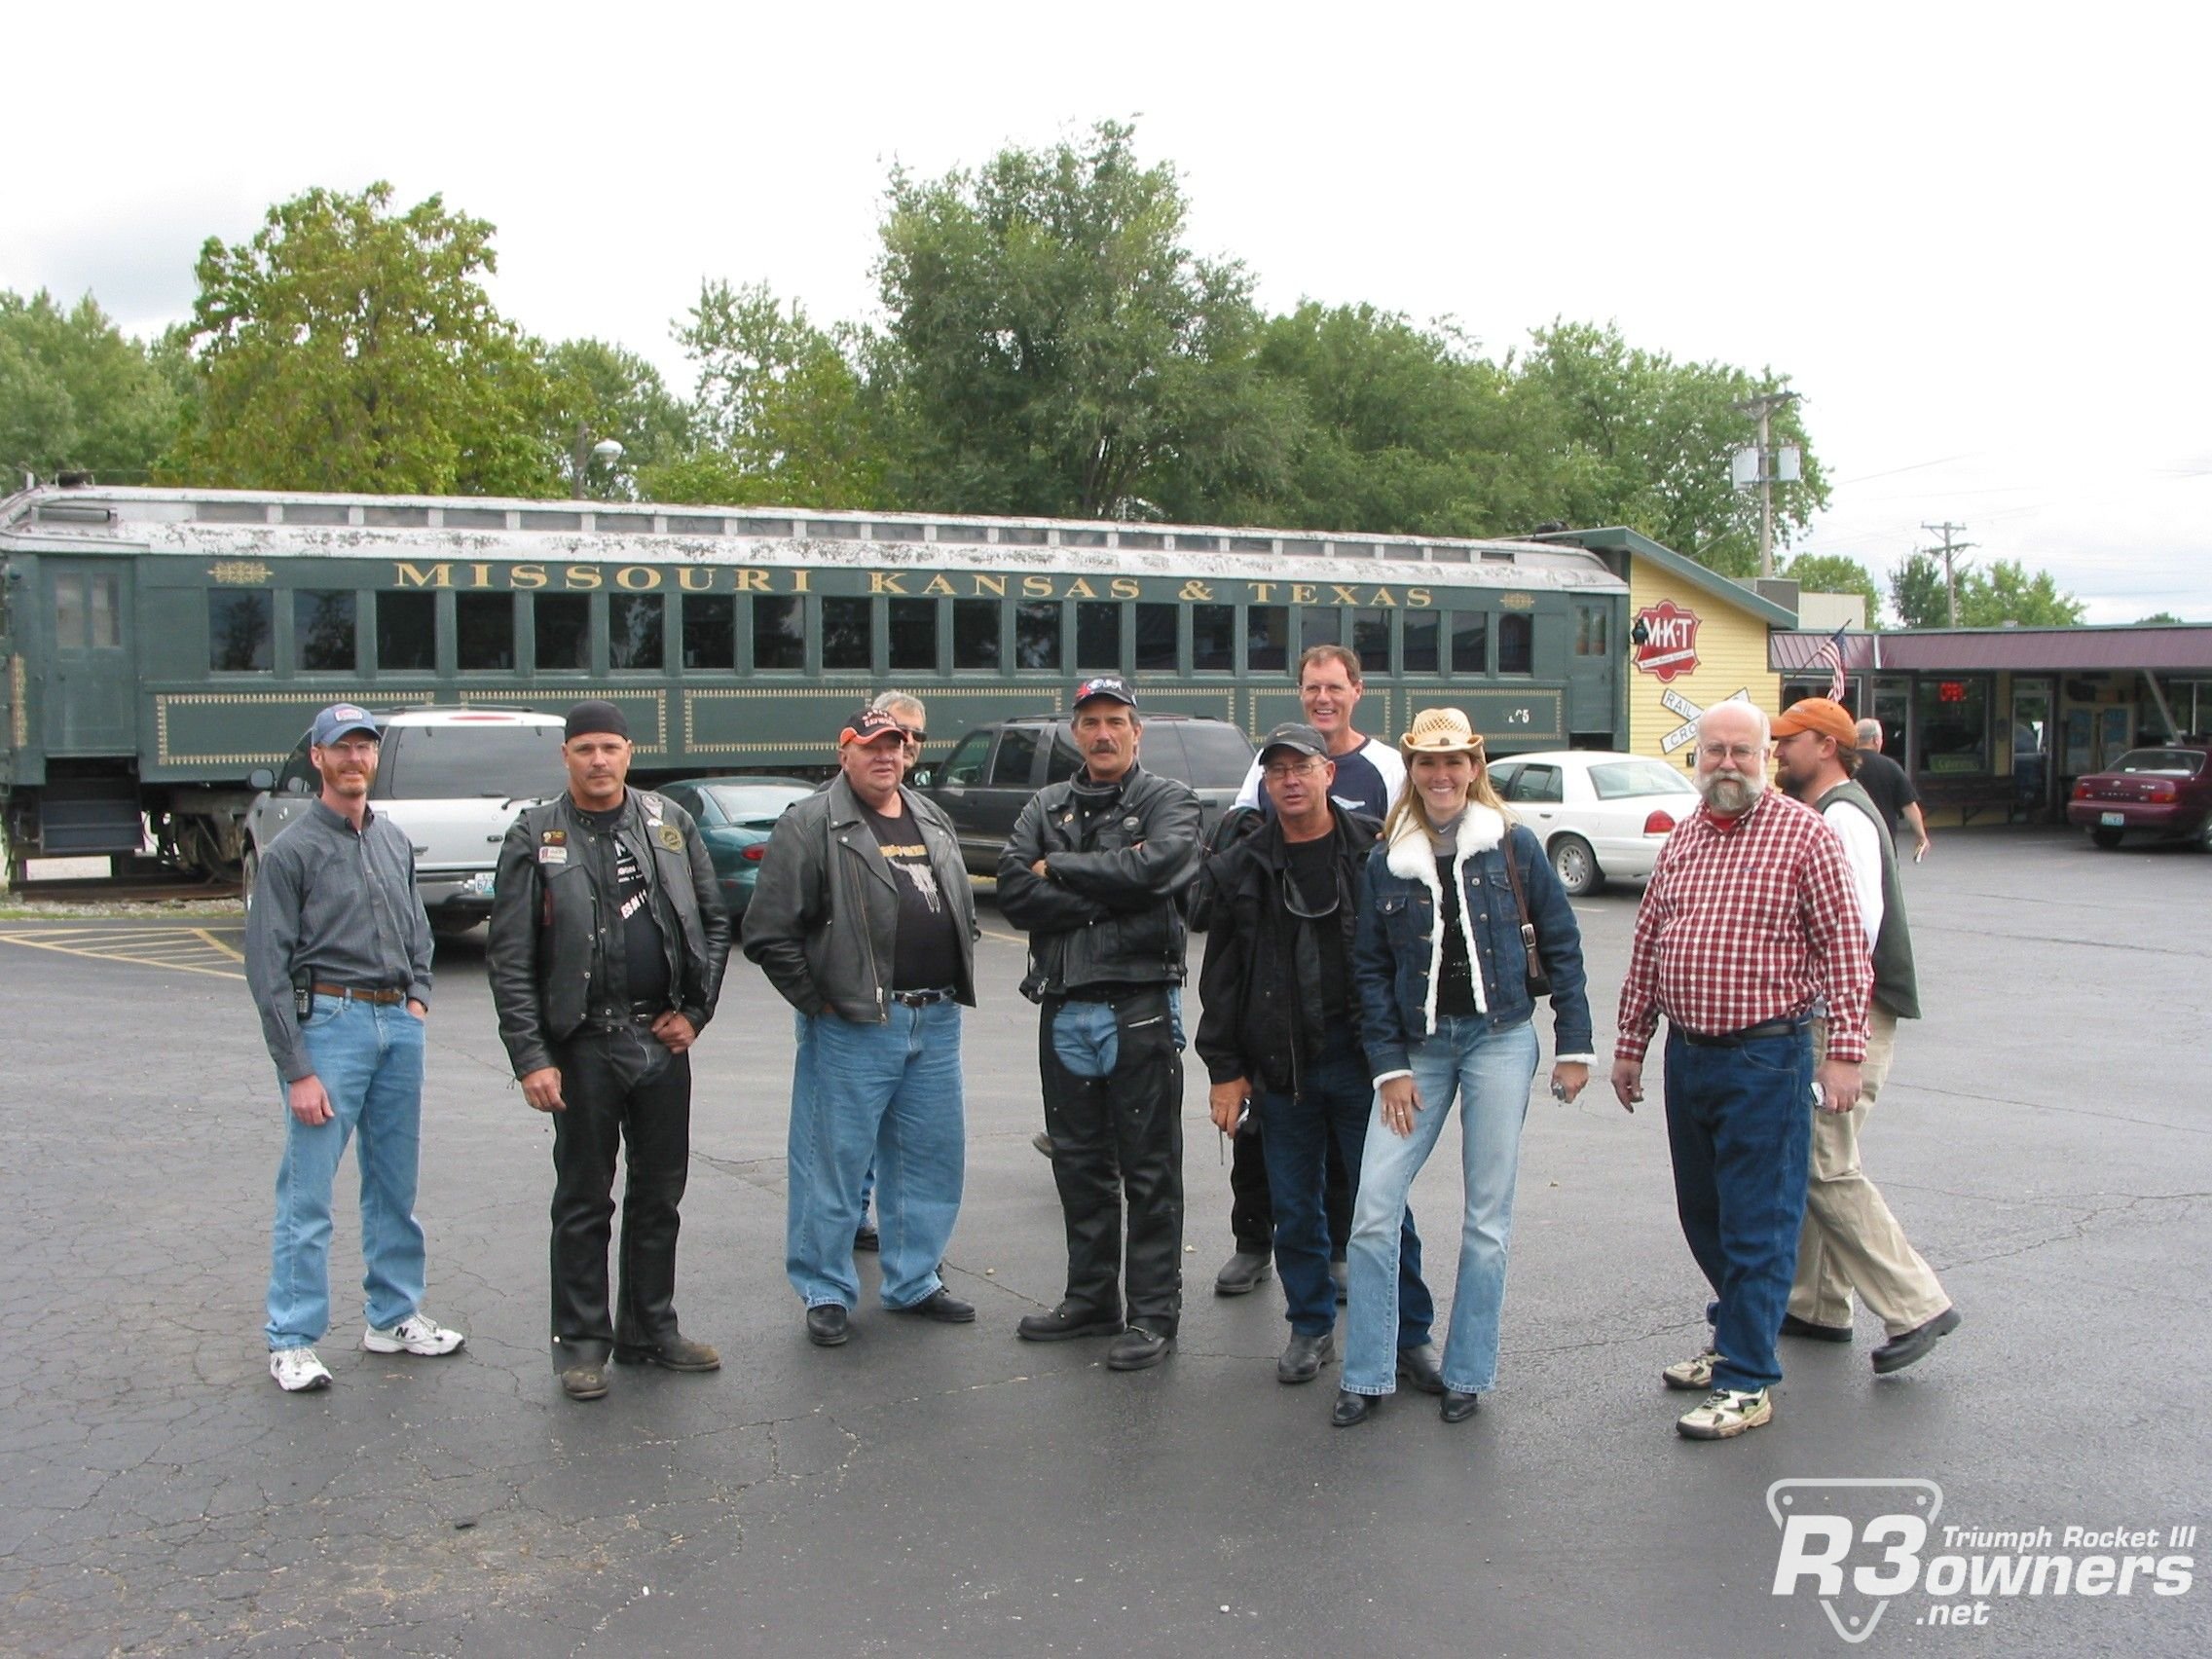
992 773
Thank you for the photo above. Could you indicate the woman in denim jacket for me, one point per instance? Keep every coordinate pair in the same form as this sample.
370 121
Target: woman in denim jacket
1442 978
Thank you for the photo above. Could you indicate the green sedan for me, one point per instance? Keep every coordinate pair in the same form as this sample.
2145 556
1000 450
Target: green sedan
734 817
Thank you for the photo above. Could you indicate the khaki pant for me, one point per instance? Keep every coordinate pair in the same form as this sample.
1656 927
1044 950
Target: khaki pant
1850 1241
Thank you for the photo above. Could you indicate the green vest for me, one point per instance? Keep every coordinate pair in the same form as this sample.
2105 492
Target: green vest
1894 986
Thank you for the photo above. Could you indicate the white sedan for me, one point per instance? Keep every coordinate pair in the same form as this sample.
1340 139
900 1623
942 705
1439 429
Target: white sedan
1600 814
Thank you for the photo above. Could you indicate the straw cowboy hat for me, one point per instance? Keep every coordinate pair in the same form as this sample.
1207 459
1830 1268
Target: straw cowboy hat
1441 731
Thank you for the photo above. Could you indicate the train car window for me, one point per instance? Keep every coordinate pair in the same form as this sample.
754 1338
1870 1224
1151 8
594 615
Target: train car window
69 630
913 633
779 633
1267 636
322 630
1370 638
1155 635
1319 625
561 627
965 765
105 617
1219 755
1590 631
710 630
1097 635
1470 642
1015 764
1419 645
974 633
484 630
848 639
1516 643
407 631
240 630
635 635
1214 637
1037 635
446 762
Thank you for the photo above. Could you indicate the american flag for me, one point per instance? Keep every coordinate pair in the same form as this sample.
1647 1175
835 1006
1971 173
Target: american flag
1832 655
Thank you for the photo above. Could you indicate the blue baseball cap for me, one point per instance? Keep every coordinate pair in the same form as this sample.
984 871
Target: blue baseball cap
335 722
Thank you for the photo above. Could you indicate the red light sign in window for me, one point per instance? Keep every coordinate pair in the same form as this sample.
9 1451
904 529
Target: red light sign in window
1950 690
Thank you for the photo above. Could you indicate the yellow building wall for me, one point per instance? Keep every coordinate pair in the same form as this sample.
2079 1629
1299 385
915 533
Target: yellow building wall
1731 658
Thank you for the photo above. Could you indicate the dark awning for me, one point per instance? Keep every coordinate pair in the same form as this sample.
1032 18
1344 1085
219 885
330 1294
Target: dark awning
2028 650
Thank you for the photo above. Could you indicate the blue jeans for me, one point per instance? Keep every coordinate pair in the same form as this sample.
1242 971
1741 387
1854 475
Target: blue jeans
369 1059
1739 1127
1488 1071
1295 1133
890 1093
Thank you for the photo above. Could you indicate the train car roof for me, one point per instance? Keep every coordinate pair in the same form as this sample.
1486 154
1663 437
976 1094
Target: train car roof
234 523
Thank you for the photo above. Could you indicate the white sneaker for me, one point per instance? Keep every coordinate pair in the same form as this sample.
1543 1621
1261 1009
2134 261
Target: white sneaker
1693 1373
1726 1414
297 1370
417 1333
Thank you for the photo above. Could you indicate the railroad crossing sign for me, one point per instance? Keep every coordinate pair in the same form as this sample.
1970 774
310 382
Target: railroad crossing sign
1676 703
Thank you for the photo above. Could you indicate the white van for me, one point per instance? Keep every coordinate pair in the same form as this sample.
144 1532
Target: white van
452 779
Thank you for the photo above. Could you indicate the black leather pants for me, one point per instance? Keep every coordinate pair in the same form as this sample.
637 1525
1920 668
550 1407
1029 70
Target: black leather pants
619 1085
1116 1137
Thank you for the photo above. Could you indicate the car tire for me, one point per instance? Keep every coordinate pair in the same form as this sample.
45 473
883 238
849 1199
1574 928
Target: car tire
249 872
1575 865
2105 838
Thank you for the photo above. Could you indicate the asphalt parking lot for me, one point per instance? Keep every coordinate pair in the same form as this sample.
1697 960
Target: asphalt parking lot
2046 1139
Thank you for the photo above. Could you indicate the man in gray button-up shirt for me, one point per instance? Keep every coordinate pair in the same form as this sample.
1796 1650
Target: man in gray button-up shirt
338 957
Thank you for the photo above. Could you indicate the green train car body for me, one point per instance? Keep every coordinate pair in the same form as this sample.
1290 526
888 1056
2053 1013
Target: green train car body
160 646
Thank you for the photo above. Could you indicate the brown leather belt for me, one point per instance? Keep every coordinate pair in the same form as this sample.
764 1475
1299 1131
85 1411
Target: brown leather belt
386 998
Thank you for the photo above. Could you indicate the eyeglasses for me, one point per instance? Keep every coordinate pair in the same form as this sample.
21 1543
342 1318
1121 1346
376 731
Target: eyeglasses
1277 771
1743 754
361 746
915 735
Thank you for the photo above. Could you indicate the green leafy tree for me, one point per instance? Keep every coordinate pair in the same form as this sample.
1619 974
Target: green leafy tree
598 392
1917 593
1052 347
784 412
1623 436
2006 592
1832 572
75 392
2159 619
348 347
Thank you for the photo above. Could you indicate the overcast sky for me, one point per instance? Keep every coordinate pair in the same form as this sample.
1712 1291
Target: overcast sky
1973 237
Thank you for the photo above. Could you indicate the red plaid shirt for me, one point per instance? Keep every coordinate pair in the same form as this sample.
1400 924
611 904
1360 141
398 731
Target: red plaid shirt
1747 920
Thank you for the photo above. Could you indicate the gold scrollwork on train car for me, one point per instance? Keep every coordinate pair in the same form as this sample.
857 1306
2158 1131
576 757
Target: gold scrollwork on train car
1518 601
166 701
240 572
541 701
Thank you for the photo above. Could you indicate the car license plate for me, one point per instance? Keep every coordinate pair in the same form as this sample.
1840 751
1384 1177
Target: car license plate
2114 820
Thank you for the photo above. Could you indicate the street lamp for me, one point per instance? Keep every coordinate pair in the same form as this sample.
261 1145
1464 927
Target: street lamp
581 456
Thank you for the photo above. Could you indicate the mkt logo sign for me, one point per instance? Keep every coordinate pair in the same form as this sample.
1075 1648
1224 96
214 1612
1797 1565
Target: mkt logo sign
1859 1544
1665 638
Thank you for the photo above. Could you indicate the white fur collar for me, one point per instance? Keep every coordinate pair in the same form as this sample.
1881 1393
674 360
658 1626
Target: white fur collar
1410 857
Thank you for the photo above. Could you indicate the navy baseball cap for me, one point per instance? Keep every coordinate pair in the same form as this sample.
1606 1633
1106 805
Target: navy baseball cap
1105 685
335 722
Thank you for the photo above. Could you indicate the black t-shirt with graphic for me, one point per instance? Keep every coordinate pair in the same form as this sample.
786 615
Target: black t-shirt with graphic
644 957
1313 870
928 957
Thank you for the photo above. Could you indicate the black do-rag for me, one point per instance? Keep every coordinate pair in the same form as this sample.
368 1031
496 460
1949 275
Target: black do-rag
596 714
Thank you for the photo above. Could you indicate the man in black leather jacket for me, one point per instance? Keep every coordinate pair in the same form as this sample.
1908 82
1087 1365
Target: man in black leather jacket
1092 873
605 956
1279 1036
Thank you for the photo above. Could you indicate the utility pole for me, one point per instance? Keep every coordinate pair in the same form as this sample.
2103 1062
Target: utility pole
1765 406
1950 572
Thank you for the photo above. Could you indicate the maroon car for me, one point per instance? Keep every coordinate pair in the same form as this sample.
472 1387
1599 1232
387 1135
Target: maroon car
2166 793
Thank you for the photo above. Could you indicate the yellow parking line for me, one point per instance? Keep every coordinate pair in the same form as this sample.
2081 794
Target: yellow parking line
209 937
47 943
